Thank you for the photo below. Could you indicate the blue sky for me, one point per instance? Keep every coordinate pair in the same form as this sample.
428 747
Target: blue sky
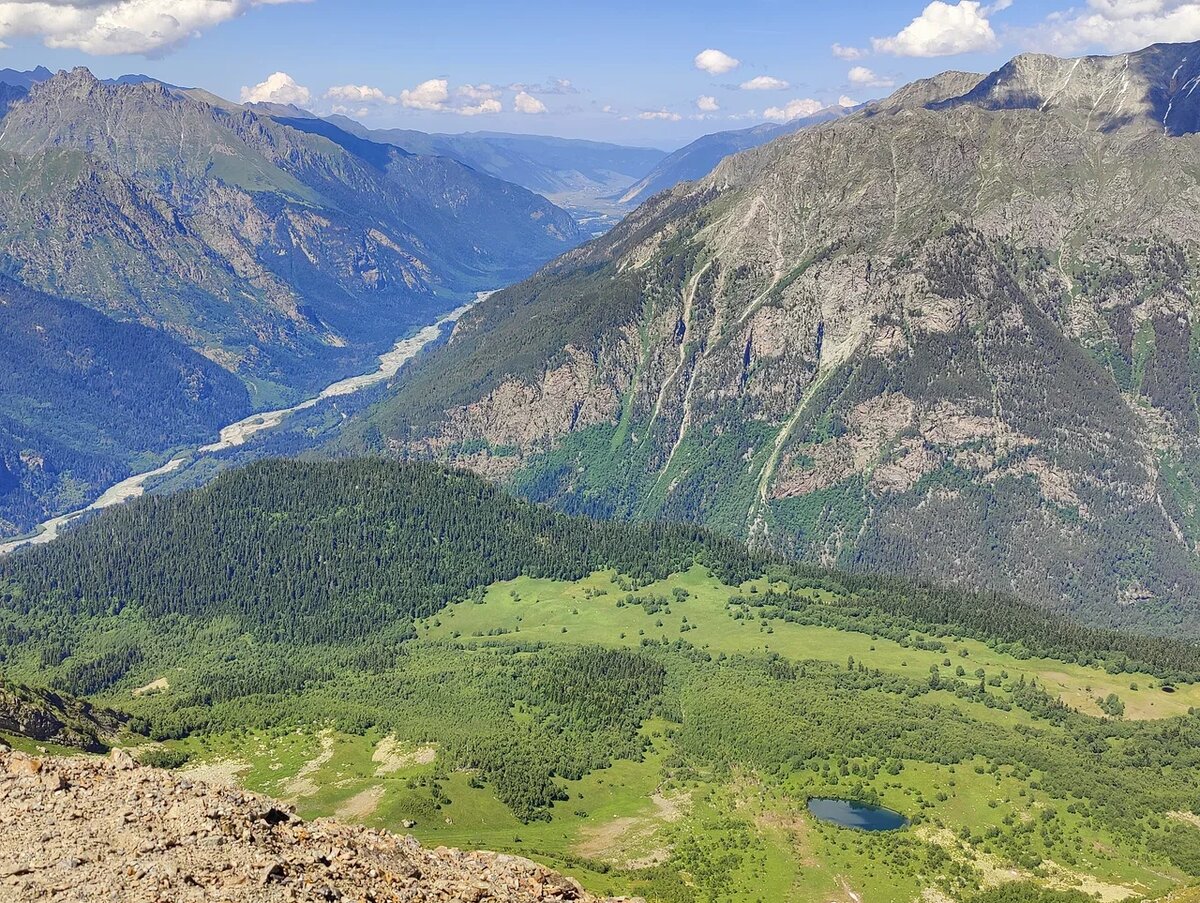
633 72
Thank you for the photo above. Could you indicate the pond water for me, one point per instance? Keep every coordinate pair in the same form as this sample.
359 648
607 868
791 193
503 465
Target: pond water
850 814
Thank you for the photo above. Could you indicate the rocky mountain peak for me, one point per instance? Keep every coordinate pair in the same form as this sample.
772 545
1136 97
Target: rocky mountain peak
926 91
81 84
78 79
1155 87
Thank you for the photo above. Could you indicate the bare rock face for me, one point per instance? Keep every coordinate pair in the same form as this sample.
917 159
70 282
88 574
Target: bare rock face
107 830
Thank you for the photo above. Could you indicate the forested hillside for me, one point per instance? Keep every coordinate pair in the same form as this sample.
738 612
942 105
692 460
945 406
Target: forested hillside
316 553
84 396
305 554
950 335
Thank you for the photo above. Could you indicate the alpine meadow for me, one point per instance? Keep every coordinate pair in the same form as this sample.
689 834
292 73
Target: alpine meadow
669 454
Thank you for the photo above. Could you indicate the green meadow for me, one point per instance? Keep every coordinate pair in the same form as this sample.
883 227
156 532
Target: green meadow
713 807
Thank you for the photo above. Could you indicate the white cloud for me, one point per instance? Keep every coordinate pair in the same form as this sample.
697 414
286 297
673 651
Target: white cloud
794 109
361 94
527 103
149 27
279 87
943 29
847 102
1116 25
715 62
491 105
660 115
429 95
432 96
478 92
765 83
707 104
865 78
843 52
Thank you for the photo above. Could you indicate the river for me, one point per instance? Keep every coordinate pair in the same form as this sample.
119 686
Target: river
242 431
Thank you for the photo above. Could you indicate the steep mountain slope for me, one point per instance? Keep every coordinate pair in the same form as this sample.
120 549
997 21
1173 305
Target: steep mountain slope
84 395
947 335
10 94
696 160
550 166
271 250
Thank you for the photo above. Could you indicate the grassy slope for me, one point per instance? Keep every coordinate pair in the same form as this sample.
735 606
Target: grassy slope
542 609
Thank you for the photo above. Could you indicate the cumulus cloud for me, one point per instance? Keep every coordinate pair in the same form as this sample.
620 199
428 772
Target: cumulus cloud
483 107
707 104
279 87
843 52
865 78
794 109
943 29
431 95
660 115
765 83
148 27
360 94
478 93
525 102
1116 25
847 102
715 62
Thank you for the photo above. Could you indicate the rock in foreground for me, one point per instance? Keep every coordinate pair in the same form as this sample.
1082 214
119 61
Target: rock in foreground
76 829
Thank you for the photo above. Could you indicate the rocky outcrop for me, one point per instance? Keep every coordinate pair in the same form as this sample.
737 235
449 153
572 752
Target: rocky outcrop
109 829
45 716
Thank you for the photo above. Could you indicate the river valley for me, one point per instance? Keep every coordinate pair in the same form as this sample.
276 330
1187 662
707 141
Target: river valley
242 431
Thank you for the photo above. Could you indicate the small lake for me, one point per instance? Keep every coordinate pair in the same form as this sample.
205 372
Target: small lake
849 814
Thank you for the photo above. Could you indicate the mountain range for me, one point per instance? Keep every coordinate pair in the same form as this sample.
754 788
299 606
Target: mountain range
697 159
273 258
951 334
550 166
